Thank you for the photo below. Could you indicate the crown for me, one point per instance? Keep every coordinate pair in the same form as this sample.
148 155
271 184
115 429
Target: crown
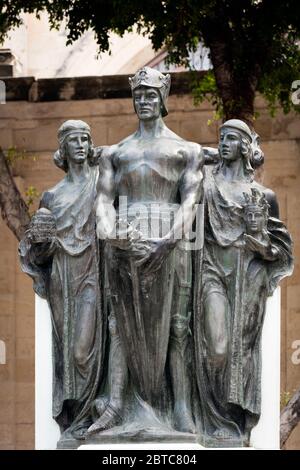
151 78
256 199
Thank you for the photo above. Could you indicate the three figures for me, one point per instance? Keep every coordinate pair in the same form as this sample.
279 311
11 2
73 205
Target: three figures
157 324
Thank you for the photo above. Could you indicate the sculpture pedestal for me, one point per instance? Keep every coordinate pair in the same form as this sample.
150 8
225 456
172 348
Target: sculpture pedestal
264 436
47 431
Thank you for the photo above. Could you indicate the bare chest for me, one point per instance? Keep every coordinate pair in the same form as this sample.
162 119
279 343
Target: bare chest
150 170
161 156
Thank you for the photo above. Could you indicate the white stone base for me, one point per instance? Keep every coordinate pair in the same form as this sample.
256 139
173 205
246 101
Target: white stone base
264 436
47 431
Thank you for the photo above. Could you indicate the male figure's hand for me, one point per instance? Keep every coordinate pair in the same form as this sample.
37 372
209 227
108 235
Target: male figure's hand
128 239
156 255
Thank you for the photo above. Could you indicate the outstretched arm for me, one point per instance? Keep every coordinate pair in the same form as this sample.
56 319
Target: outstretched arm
211 155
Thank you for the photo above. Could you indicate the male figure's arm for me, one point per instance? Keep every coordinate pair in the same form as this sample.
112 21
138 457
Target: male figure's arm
191 189
211 155
264 247
105 211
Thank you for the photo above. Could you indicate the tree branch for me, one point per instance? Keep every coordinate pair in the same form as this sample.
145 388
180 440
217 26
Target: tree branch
13 208
289 418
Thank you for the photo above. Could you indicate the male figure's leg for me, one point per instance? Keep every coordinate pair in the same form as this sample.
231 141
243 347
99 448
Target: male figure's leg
178 346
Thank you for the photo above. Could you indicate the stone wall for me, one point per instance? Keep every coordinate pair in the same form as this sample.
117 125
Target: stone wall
29 121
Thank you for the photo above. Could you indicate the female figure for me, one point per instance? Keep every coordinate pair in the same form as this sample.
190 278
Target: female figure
60 253
243 262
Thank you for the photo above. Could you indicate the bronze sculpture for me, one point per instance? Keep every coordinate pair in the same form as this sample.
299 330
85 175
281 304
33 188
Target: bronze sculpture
149 275
62 259
240 268
142 307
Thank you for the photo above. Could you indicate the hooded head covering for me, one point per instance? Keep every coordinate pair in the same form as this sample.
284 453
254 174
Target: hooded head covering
71 126
240 126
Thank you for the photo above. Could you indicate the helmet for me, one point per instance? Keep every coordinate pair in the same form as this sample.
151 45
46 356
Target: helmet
152 78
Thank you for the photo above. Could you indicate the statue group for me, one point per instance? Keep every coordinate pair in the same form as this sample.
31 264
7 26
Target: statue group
156 257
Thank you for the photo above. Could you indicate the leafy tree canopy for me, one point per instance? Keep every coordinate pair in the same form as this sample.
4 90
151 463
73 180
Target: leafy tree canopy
253 43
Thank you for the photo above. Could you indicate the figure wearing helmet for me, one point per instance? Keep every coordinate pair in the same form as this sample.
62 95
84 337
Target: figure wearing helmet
150 184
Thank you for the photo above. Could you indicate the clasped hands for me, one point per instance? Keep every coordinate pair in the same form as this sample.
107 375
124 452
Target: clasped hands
148 254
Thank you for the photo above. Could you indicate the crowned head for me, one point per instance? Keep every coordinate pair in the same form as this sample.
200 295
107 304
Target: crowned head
146 79
256 211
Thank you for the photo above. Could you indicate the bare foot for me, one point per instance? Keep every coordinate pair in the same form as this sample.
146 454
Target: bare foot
80 433
79 430
107 420
99 406
183 421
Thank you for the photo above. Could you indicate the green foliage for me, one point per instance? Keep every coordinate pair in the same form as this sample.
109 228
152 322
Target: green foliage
205 88
276 85
253 43
13 155
285 398
32 195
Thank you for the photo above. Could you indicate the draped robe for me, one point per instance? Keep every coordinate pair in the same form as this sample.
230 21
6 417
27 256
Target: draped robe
230 399
67 273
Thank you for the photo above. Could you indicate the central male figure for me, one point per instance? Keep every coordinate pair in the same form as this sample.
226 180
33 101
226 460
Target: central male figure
152 181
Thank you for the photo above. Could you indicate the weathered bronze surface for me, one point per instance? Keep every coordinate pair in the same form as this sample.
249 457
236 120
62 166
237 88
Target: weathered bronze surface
60 252
157 321
246 253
